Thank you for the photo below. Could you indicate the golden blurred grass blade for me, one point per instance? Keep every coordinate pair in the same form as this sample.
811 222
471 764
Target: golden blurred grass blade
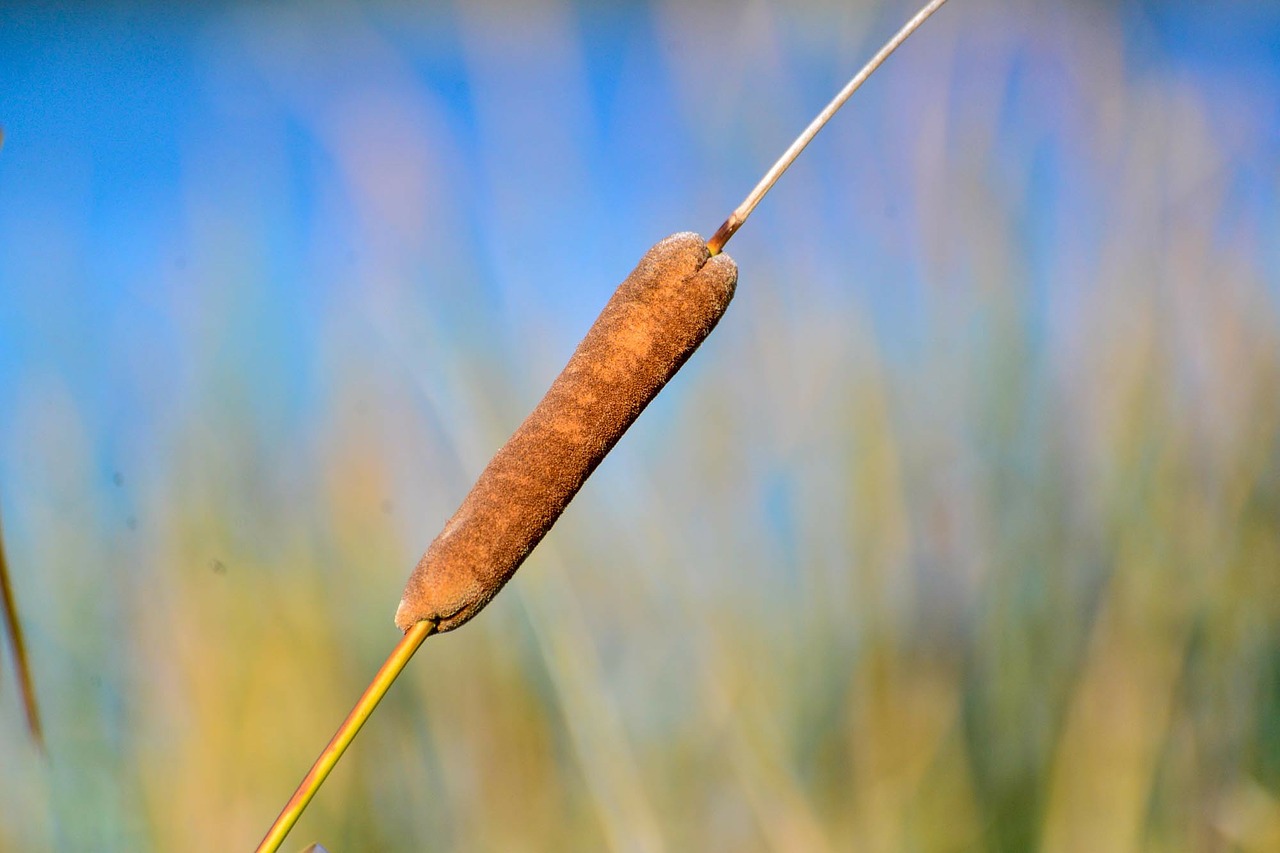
365 705
13 628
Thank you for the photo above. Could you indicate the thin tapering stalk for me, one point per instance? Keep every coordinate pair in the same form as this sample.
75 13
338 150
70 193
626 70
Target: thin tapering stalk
739 215
346 733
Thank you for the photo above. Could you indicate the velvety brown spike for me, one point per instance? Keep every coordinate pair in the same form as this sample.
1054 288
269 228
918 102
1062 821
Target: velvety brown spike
653 323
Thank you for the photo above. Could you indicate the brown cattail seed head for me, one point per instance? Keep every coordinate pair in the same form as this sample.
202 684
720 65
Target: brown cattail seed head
648 329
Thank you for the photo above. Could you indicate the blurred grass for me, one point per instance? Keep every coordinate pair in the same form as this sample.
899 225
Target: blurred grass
961 533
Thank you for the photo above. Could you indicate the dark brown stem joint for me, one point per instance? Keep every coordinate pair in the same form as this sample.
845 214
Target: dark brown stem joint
730 227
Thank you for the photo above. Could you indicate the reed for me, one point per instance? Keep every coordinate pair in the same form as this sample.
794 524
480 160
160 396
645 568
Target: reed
968 541
653 323
17 642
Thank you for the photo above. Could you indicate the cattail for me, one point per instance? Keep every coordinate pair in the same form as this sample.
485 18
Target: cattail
656 319
647 331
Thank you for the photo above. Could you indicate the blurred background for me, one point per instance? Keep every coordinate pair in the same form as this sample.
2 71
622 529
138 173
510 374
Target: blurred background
962 532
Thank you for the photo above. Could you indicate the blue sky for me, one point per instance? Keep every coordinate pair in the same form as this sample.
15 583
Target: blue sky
176 222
